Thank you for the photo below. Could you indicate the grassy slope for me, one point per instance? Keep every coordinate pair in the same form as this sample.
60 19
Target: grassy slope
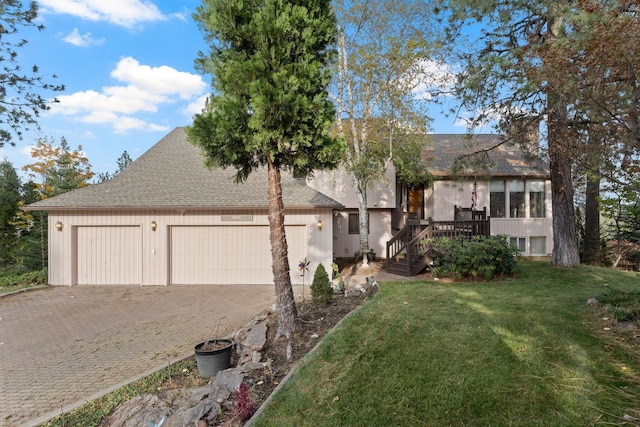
521 352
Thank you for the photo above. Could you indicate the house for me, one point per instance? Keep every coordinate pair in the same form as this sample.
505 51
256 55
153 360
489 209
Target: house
512 191
168 220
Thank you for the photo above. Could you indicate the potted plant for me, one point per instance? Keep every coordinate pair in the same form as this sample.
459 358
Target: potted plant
213 356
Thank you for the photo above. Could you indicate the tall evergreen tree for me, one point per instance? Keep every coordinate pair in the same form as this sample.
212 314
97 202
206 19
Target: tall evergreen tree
10 197
270 65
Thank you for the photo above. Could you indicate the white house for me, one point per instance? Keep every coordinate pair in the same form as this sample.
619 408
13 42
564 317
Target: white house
168 220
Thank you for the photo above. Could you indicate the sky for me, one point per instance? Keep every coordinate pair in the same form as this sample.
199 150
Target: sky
129 76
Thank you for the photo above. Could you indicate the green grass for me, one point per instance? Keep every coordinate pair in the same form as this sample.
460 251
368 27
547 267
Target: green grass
523 352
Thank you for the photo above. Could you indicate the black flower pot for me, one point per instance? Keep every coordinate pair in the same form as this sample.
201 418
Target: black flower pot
213 356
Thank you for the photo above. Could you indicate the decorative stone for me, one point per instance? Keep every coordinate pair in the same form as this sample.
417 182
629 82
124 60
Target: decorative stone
225 382
137 411
256 338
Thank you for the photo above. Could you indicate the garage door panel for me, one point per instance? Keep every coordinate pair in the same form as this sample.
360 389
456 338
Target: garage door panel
109 255
228 254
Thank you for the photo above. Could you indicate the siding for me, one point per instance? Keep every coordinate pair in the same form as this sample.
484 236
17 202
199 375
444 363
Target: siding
155 248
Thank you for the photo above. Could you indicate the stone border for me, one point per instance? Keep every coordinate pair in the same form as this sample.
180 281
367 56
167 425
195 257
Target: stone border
293 370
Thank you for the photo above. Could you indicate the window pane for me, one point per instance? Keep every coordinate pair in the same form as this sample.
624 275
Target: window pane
497 186
516 199
496 199
538 245
518 242
353 224
536 199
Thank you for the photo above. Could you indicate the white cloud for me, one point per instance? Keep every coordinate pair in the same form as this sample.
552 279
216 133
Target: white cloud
124 13
81 40
433 76
162 80
146 90
195 107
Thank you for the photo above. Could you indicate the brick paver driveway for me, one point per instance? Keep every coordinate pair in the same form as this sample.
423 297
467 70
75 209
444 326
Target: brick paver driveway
63 345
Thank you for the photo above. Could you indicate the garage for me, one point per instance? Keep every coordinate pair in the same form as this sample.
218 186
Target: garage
230 254
108 255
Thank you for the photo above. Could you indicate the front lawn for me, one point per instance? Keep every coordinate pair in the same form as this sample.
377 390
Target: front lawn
527 351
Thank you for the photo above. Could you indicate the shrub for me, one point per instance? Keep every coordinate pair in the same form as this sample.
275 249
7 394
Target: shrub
30 278
321 290
481 257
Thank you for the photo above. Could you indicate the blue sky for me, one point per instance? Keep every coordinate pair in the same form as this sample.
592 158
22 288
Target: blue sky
128 68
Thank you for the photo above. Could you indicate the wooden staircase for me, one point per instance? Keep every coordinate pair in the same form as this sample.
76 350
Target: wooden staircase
409 252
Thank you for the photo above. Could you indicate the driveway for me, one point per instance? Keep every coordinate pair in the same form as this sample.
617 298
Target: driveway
61 346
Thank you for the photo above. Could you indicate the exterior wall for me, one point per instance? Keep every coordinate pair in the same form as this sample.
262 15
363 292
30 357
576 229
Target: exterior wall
345 245
155 244
440 202
448 194
338 185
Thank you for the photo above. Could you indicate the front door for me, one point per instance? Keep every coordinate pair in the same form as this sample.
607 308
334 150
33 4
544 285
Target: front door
415 203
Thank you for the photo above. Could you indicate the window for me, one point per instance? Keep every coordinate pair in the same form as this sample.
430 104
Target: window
536 199
496 199
354 227
520 243
538 245
516 199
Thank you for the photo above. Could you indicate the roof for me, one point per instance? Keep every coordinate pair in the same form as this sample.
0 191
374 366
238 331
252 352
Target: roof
172 174
505 160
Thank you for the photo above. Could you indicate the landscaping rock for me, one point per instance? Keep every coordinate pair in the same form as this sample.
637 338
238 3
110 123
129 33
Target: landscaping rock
224 384
206 410
137 411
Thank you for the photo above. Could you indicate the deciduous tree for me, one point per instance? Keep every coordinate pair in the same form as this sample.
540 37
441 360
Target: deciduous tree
270 65
385 47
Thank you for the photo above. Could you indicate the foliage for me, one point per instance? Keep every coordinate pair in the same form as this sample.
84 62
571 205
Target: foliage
10 200
270 61
20 280
321 290
244 404
123 162
58 169
481 257
385 47
480 354
20 102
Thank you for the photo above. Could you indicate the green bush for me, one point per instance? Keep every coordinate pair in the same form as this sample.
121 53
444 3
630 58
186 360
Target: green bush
321 290
31 278
483 257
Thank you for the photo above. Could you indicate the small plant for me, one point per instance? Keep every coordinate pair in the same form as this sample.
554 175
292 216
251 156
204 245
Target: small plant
244 406
321 290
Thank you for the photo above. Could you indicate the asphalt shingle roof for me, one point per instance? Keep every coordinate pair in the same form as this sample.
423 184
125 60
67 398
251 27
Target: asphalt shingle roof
171 174
507 159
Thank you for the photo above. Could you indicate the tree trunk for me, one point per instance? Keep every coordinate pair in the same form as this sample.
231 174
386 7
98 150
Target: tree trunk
285 303
592 246
363 219
565 237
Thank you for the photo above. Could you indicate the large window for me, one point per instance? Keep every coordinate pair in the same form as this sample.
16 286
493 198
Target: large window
536 199
516 199
496 199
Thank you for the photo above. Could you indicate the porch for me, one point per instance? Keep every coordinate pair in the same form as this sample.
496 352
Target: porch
407 253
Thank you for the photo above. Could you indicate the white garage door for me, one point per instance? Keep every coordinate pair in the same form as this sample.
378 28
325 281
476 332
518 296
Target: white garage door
230 254
109 255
